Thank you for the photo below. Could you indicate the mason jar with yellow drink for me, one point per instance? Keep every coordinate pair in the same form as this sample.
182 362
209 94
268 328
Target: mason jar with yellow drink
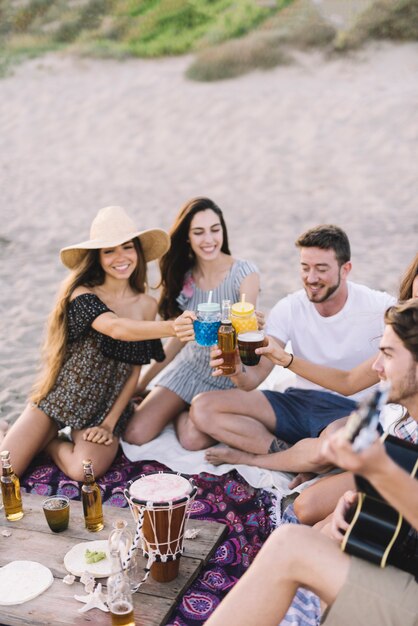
243 317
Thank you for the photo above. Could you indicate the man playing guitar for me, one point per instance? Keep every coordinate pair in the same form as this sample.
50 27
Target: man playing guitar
354 590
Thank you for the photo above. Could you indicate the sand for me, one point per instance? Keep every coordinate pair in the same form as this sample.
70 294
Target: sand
279 151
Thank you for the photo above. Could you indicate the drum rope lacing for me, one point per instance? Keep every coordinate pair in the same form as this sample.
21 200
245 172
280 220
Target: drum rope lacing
155 555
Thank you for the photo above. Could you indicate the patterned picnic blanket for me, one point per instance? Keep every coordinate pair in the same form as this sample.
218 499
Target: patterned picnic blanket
228 499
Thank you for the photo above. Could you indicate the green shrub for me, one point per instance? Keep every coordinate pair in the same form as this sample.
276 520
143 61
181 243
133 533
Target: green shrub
237 57
179 26
301 25
298 25
384 19
146 28
88 18
25 15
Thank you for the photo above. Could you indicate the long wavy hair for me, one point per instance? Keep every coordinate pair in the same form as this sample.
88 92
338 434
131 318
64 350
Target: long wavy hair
411 272
89 273
180 257
404 320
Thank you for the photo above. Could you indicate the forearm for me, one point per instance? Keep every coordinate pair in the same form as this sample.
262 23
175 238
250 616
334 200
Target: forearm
341 381
344 382
398 488
393 483
122 400
125 329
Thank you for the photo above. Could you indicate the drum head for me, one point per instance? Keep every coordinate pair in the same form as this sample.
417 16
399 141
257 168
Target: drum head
160 488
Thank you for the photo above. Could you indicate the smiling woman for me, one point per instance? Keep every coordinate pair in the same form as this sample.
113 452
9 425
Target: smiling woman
198 262
100 332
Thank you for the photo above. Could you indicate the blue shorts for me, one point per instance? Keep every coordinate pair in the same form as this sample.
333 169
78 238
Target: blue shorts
302 413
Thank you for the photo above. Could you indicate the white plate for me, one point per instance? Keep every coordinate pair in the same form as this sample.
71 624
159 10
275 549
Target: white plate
21 581
75 559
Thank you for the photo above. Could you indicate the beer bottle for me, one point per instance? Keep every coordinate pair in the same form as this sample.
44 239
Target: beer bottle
119 595
92 499
227 339
10 489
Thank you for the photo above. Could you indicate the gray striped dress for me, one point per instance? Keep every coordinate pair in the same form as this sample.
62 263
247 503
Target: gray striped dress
189 372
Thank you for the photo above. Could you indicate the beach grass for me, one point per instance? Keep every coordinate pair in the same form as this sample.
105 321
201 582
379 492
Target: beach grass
228 37
299 25
396 20
121 28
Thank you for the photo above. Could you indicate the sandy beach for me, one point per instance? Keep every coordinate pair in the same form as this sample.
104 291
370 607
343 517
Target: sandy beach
280 151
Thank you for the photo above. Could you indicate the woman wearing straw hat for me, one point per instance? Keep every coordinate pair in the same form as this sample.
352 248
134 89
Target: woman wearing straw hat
198 262
100 332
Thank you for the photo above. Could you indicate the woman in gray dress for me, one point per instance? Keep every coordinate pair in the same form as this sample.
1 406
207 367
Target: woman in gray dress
198 261
100 332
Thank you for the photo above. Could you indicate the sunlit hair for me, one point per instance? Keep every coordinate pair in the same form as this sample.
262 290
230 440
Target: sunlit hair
411 272
404 320
89 273
327 237
180 257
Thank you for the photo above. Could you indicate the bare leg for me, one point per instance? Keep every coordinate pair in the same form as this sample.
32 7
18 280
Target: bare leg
158 409
293 556
241 419
320 499
304 456
189 436
69 455
224 454
31 432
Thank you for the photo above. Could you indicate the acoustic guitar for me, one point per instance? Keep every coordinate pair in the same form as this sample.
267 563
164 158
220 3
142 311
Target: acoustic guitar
377 532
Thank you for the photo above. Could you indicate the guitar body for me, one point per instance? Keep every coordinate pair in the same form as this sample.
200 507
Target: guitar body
377 532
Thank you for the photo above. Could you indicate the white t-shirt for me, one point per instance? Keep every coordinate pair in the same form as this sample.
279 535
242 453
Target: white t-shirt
343 340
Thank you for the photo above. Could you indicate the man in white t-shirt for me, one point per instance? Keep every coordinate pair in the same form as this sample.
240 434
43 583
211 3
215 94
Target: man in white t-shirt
373 589
331 321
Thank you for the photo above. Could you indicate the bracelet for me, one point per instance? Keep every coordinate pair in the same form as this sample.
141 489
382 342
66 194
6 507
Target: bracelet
290 362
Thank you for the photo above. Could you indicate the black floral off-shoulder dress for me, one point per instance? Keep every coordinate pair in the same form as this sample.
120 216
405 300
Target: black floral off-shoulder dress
95 370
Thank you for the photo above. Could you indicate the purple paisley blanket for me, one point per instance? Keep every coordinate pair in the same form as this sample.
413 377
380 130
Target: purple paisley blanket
227 499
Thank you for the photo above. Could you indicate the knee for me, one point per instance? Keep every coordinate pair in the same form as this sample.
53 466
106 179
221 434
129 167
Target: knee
77 473
130 434
134 434
191 440
202 411
281 546
305 507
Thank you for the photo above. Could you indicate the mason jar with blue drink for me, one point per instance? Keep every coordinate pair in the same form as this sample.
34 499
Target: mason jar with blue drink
207 323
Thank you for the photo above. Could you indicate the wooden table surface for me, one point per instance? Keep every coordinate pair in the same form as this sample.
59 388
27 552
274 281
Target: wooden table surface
32 540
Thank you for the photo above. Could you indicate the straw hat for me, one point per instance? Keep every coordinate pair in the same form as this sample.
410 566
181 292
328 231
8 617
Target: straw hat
111 227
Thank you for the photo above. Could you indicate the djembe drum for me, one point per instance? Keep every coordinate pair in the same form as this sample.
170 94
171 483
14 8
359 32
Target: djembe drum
160 504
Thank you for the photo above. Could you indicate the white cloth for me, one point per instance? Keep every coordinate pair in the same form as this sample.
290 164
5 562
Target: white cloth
166 449
343 340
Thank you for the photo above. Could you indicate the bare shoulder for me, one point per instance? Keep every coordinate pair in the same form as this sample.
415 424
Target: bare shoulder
80 291
148 306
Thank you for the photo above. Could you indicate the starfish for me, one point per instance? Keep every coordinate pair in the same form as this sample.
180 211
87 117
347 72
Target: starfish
94 600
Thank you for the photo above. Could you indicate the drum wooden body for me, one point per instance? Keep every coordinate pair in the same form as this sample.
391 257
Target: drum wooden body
161 502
